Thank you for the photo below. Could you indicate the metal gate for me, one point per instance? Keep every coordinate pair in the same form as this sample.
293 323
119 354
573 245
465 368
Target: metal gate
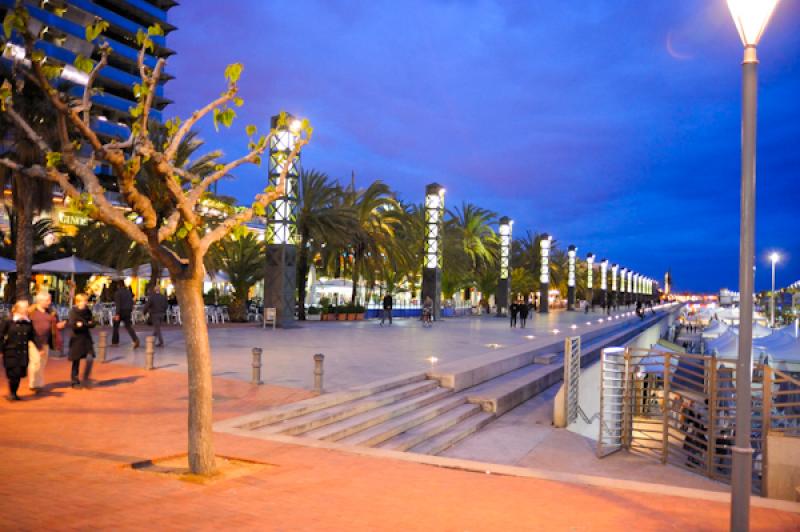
680 408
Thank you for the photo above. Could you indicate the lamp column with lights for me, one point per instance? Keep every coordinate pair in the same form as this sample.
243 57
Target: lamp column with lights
604 282
432 266
622 274
751 17
774 258
280 279
614 270
503 295
544 275
572 251
590 280
630 287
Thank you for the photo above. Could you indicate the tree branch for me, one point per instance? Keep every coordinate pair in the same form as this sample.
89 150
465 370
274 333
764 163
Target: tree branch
87 91
197 115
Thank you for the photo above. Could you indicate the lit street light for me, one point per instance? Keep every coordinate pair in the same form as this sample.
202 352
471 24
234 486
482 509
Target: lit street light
751 17
774 258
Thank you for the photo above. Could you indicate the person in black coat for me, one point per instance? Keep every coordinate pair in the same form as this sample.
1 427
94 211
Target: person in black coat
123 301
16 332
81 345
513 310
523 313
156 308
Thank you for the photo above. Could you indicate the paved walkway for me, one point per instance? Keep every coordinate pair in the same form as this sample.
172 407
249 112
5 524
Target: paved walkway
64 456
355 352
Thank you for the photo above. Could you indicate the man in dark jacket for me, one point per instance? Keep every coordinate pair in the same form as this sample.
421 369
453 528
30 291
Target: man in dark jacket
156 307
387 308
16 332
123 301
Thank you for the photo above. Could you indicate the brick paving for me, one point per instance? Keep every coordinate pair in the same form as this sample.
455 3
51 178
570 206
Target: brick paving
63 458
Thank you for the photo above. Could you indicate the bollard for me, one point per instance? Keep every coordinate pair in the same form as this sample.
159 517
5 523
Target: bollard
257 366
149 352
318 358
101 345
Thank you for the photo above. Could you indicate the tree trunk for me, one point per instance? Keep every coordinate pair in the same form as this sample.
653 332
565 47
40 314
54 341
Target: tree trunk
155 274
302 270
23 238
355 283
198 358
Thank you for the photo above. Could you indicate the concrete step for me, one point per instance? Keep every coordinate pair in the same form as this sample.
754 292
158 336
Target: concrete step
356 424
429 429
503 393
304 423
391 428
454 434
314 404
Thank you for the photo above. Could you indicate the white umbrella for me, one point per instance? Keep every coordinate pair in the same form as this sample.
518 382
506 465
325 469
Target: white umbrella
7 265
72 265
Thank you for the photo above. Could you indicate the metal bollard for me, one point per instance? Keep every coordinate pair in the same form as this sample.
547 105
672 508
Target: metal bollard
149 352
102 344
257 366
318 358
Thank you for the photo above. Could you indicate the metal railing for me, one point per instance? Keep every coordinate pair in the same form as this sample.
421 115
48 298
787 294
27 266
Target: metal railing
572 374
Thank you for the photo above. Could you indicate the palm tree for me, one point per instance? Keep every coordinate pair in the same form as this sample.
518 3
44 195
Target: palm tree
241 257
473 225
377 215
323 220
28 196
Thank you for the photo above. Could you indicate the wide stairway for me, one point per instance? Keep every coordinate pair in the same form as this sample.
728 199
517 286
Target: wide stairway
410 414
429 413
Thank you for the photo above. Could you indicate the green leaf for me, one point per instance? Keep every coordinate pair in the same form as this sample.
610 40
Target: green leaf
251 130
53 159
232 72
238 102
83 63
52 71
259 209
37 56
8 24
59 11
93 31
155 29
217 112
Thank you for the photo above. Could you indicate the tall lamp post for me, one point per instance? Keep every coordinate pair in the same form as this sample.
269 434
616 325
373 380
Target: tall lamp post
774 258
280 279
751 17
432 266
623 273
630 287
614 270
590 280
571 252
504 283
544 275
604 282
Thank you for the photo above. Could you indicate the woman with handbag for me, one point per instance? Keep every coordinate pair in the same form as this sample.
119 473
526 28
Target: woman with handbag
16 332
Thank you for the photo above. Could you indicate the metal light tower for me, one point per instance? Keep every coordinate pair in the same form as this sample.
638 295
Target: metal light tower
604 281
774 258
544 276
280 279
622 275
589 279
614 270
503 295
571 252
432 261
630 287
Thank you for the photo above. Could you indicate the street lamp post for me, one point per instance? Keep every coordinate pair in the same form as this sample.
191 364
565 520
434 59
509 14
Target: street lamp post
774 258
614 270
590 280
544 275
630 287
432 266
504 283
751 17
604 282
571 252
623 272
280 276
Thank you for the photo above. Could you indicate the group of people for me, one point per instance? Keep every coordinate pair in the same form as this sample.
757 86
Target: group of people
519 310
30 331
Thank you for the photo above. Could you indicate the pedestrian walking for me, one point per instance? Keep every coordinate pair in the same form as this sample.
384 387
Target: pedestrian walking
523 313
427 312
586 307
156 308
16 335
513 312
81 345
387 308
639 310
123 300
47 336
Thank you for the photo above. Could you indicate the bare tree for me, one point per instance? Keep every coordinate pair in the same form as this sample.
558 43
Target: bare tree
72 162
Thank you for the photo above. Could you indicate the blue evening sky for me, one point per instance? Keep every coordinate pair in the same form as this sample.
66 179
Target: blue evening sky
611 124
